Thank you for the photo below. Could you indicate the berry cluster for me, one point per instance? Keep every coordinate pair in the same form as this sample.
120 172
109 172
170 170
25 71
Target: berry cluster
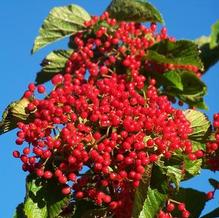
104 121
174 206
213 146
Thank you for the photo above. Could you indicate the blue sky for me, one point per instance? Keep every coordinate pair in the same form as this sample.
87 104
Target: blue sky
20 21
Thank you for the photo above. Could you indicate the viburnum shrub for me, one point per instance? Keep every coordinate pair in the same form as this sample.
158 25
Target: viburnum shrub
104 139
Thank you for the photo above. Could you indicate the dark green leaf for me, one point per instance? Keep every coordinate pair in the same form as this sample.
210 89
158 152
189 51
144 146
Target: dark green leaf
97 213
214 183
55 200
82 206
213 214
14 113
19 213
193 167
152 203
134 10
193 199
141 192
43 199
214 35
173 79
53 63
209 47
199 124
192 85
159 179
181 52
193 89
61 22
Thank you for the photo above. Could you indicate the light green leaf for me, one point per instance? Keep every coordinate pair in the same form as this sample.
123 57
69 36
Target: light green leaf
193 199
141 192
14 113
199 124
134 10
196 145
152 203
53 63
182 52
193 167
34 206
43 199
174 174
214 35
61 22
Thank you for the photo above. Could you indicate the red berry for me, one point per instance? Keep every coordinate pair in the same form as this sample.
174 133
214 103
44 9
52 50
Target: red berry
41 88
210 195
16 154
47 174
170 207
66 190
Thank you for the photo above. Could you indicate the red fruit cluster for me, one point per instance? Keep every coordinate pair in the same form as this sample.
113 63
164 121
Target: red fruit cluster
212 147
171 207
103 122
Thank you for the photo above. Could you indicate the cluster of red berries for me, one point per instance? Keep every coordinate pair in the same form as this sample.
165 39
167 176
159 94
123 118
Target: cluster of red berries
173 206
103 122
212 147
110 44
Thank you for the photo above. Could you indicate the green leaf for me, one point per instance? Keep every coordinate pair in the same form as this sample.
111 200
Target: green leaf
198 146
208 56
201 129
34 206
192 85
82 206
14 113
19 213
182 52
214 35
193 167
61 22
41 200
174 174
209 47
214 183
141 192
152 203
193 199
173 79
159 179
213 214
134 10
53 63
100 212
187 87
55 200
199 124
